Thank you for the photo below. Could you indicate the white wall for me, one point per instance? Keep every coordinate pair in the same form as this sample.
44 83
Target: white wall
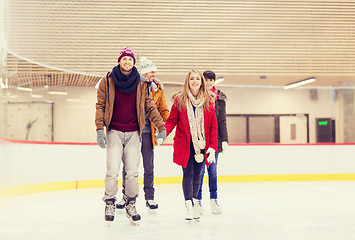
280 101
74 114
268 100
22 164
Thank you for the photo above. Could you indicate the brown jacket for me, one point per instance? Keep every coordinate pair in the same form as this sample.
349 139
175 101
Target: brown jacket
144 101
160 102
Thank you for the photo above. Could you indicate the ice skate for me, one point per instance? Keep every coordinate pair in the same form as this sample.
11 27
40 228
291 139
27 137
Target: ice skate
152 206
189 210
196 211
121 204
198 206
110 211
216 209
131 212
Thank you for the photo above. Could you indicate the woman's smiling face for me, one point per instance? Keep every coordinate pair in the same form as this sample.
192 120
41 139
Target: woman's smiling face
195 83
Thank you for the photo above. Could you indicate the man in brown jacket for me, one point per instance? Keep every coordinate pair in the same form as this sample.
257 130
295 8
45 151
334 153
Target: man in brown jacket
122 102
148 71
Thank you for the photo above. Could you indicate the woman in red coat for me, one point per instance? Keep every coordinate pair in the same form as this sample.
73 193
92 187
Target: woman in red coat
194 117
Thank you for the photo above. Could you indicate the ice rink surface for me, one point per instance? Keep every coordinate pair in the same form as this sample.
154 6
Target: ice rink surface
251 210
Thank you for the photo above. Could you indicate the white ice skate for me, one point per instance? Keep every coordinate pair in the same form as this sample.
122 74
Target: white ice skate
216 209
121 204
189 211
198 206
196 210
152 206
131 212
109 211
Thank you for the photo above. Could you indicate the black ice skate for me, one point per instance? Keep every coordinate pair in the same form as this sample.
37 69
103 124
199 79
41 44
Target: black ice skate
131 211
121 204
110 211
152 206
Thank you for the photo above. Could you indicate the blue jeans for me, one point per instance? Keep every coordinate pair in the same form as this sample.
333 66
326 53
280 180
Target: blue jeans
212 179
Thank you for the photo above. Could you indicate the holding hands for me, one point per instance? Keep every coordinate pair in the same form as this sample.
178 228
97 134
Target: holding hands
161 136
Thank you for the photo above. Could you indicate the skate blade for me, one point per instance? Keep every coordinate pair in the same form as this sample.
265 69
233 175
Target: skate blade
151 211
134 223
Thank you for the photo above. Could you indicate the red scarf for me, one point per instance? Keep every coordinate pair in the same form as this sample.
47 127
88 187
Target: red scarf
214 90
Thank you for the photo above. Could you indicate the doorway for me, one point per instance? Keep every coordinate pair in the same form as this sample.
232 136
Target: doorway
293 129
268 128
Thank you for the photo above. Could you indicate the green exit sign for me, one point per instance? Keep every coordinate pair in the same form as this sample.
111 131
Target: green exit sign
322 123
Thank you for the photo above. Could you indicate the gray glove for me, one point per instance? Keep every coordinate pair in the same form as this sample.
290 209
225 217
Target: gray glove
161 136
101 138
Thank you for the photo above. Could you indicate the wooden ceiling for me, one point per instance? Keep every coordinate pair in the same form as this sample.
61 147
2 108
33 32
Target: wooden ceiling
268 43
26 74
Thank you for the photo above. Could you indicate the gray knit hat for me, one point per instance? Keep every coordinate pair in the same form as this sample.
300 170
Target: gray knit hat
146 65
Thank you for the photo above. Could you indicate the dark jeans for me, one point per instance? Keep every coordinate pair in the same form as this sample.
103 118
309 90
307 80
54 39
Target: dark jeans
212 180
148 165
191 179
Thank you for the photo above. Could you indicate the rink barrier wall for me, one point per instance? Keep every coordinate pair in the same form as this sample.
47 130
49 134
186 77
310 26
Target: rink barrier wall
17 191
30 167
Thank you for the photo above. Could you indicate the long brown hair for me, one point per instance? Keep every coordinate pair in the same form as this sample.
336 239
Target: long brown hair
182 97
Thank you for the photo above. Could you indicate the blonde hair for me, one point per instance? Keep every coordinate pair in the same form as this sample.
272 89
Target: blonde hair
182 97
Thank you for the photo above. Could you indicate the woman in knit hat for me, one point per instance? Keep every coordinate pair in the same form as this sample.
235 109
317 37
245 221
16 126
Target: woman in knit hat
195 141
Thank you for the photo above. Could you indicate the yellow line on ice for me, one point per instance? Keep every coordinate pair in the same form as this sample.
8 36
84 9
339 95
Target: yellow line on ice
15 191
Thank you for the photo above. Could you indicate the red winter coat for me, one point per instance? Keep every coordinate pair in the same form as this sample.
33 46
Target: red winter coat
182 139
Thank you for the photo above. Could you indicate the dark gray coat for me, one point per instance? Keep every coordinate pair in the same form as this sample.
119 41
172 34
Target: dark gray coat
221 119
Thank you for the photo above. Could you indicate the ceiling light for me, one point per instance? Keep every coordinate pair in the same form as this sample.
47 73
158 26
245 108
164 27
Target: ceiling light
75 100
37 96
300 83
57 93
24 89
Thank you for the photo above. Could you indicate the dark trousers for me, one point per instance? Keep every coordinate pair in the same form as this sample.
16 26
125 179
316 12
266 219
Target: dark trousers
191 179
148 165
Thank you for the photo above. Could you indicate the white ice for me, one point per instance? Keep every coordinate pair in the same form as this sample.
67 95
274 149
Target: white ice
251 210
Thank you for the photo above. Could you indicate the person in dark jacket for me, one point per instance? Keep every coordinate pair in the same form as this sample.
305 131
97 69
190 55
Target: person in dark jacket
220 100
123 100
